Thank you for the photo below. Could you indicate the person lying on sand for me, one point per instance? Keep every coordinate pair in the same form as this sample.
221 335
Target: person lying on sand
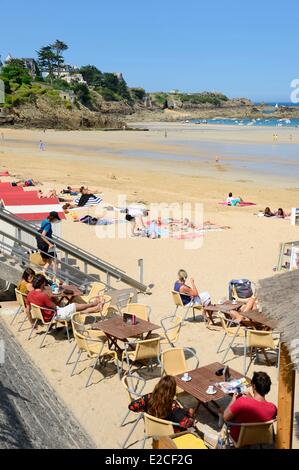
87 219
268 212
75 190
70 190
51 194
26 183
281 214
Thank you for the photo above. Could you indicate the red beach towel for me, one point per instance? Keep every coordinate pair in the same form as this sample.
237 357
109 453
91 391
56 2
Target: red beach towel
242 204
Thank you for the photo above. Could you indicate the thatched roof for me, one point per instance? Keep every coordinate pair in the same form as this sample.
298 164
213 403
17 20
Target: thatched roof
278 299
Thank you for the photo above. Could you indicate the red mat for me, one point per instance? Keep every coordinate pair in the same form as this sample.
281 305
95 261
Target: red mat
242 204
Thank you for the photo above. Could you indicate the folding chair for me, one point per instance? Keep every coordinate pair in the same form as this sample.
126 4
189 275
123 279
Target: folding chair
250 434
141 311
134 386
260 340
145 350
82 323
156 427
97 288
36 314
21 308
231 329
181 440
174 362
177 299
171 330
95 348
122 301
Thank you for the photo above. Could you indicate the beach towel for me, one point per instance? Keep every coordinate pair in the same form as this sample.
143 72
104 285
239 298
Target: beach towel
4 173
241 204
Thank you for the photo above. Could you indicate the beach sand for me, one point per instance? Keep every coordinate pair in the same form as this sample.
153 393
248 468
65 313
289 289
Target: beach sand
249 248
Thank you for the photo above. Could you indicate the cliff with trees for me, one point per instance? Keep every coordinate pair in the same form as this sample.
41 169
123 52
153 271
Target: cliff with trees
46 92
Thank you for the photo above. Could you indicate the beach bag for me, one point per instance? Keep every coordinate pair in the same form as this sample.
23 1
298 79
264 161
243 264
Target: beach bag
243 288
36 259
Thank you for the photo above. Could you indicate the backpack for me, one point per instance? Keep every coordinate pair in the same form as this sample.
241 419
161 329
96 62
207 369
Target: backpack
243 288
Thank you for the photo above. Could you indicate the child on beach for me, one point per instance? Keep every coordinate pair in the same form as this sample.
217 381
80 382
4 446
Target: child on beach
233 201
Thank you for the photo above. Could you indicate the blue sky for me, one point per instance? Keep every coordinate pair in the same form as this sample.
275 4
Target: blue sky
240 48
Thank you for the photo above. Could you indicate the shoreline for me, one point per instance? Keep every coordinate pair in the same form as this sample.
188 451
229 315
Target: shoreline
184 153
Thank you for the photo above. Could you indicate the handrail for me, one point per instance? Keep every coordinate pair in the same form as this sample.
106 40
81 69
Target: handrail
73 272
74 251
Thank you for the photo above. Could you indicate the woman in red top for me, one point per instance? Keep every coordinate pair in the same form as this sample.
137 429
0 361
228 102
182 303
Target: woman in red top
39 297
246 408
161 404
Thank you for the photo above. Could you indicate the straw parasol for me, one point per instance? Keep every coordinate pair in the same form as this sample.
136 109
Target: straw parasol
278 300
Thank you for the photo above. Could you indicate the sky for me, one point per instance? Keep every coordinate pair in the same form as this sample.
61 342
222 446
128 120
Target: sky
238 47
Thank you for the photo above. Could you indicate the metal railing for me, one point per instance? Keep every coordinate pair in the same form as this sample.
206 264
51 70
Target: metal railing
20 251
74 251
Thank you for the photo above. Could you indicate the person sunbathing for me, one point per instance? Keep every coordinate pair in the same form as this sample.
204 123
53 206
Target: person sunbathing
26 183
280 213
72 191
89 220
268 212
51 193
233 201
249 306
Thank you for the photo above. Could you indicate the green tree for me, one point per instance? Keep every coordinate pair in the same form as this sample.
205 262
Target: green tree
138 93
15 72
82 93
47 61
58 47
92 75
110 81
123 90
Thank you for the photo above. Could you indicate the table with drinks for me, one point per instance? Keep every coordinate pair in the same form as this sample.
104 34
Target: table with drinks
63 293
121 328
210 383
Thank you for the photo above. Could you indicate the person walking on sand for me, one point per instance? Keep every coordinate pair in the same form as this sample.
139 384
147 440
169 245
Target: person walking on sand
42 146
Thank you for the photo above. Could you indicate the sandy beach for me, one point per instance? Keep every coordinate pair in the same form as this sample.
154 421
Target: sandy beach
119 163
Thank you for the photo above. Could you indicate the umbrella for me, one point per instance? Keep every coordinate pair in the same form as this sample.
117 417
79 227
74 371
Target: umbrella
90 201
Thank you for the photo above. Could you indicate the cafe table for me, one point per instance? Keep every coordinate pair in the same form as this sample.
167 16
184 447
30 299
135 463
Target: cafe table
225 307
201 379
116 329
65 292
